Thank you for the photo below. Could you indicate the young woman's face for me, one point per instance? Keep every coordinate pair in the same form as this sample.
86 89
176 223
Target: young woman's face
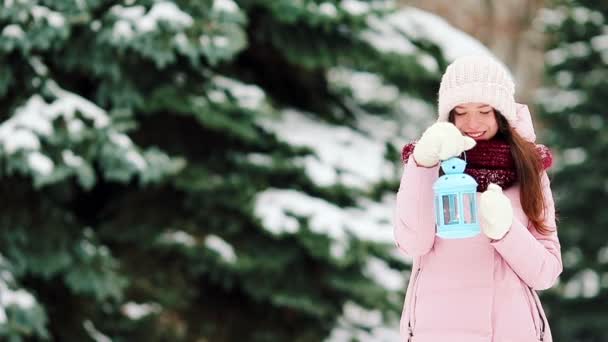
476 120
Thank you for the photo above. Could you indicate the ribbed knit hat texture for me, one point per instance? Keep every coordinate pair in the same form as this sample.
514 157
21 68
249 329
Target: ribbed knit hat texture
477 79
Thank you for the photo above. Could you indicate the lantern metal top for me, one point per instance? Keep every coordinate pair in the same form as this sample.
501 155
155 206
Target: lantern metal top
453 165
454 178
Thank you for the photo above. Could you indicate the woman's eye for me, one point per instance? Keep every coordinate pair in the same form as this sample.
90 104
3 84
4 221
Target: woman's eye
488 112
460 113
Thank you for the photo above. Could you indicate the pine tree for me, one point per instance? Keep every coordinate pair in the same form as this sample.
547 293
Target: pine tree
198 169
574 112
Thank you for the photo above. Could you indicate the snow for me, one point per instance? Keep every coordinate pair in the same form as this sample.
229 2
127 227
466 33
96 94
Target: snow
136 311
14 140
556 56
122 29
354 317
558 100
95 334
583 15
259 159
328 9
40 163
385 36
134 19
602 255
355 7
68 104
223 248
370 221
414 114
8 296
585 283
136 159
179 237
75 126
366 87
378 270
421 24
55 19
564 78
600 43
574 156
120 139
247 96
13 31
552 16
342 155
228 6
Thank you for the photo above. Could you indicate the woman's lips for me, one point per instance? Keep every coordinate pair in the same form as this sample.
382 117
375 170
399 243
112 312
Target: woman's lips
475 134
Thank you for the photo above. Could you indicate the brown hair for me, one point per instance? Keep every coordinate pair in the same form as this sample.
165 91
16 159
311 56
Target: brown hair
529 167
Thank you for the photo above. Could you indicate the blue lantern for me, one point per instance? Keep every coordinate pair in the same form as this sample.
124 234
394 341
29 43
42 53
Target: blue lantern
456 201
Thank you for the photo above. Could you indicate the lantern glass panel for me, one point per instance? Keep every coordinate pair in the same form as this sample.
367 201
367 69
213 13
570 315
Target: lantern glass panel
468 206
437 208
450 209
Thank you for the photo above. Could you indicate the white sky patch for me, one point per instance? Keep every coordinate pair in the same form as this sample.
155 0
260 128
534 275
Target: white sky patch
344 155
13 31
353 317
371 221
137 311
220 246
248 96
228 6
421 24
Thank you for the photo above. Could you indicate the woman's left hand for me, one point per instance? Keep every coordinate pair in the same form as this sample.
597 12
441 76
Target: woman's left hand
496 212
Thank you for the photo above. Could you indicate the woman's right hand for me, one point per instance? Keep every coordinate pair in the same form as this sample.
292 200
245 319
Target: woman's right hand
441 141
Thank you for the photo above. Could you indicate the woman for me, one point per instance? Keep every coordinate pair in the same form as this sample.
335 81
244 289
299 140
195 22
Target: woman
479 289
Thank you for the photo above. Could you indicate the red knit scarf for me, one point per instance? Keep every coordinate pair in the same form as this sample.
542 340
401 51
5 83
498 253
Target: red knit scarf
491 161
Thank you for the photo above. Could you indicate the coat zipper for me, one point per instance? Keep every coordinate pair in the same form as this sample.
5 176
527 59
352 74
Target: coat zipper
412 321
541 336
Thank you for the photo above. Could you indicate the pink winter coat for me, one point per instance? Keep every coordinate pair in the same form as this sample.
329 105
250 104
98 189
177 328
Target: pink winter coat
474 290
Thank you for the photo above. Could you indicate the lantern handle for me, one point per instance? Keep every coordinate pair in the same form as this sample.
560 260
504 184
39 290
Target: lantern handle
465 155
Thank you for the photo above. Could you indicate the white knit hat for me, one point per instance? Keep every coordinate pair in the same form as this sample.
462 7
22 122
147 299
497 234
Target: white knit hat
477 79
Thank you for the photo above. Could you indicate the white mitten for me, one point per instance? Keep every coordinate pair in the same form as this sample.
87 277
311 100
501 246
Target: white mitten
441 141
496 210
